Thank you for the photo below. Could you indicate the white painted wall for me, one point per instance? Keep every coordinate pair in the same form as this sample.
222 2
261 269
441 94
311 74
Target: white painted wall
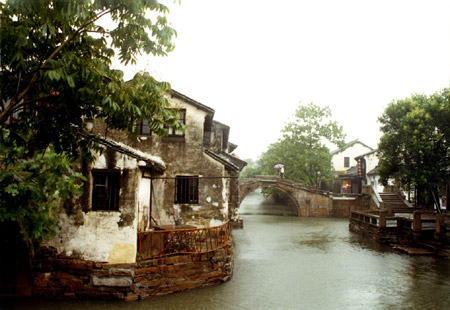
371 161
373 181
351 152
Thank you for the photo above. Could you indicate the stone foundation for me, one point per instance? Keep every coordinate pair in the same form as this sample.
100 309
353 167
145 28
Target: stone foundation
68 278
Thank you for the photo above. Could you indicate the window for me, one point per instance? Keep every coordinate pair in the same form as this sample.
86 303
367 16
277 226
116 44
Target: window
181 115
105 192
186 189
346 162
144 130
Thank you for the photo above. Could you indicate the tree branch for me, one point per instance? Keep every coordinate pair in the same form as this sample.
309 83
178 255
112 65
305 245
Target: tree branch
35 76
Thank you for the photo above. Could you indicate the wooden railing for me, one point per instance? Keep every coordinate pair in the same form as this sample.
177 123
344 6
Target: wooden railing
375 218
416 221
160 243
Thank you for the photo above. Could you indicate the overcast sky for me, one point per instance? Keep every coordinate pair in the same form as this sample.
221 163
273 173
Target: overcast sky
254 61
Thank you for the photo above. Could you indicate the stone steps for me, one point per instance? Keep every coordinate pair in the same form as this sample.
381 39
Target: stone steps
396 203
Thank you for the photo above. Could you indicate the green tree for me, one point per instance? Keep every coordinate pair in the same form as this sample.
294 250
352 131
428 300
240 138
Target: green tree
302 148
55 74
415 146
252 169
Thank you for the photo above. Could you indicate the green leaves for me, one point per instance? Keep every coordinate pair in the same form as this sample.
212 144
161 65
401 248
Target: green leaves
55 73
415 146
307 160
31 189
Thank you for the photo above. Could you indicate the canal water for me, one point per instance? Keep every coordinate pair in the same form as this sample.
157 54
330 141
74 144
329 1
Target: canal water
285 262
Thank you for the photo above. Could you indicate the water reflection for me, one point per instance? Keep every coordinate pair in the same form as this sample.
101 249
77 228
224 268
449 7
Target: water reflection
303 263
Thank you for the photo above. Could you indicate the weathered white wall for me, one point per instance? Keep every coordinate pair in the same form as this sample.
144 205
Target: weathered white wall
99 239
97 235
371 161
144 204
162 215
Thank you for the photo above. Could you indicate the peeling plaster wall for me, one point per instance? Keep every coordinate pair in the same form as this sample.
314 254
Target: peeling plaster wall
99 239
103 236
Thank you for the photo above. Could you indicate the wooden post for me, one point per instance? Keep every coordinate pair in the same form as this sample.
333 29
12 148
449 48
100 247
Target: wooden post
417 221
389 209
440 228
151 200
382 219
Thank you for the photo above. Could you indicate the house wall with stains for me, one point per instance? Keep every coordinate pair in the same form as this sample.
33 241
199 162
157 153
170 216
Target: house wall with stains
184 156
104 236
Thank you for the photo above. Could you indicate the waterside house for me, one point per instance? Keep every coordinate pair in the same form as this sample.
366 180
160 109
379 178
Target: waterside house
154 217
348 169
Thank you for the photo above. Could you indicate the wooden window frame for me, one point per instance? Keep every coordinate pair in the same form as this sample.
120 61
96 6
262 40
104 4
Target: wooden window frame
346 162
105 195
144 124
186 189
182 119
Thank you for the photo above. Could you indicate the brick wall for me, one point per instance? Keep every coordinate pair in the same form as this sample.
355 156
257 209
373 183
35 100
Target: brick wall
70 278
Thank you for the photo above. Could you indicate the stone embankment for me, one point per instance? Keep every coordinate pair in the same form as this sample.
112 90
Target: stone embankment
69 278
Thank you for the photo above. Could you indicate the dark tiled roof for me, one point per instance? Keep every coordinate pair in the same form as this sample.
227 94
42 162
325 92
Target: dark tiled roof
197 104
374 171
349 145
222 159
368 153
353 171
152 162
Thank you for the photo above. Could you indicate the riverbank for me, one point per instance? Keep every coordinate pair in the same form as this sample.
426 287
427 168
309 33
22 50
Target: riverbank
301 263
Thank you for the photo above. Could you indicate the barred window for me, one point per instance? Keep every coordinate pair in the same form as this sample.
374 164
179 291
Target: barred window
105 192
186 189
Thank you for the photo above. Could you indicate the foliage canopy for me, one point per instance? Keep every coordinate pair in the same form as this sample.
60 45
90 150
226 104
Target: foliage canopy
415 146
55 74
302 148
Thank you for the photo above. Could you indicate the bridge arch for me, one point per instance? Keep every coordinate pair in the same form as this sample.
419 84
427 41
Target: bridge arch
307 200
251 185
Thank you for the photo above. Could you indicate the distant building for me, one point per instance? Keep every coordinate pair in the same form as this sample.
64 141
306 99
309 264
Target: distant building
349 172
370 172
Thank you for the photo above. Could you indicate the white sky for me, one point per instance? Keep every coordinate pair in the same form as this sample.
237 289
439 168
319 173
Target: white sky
254 61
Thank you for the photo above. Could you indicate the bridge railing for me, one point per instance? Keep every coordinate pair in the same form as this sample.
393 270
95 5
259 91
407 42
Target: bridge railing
284 182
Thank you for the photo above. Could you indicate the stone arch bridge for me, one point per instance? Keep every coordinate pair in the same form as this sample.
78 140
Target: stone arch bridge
308 201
